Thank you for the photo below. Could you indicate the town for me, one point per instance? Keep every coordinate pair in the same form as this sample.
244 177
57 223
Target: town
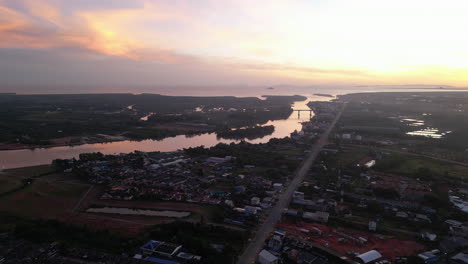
334 192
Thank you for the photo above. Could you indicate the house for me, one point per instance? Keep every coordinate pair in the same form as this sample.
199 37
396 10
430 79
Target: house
255 201
346 136
160 248
461 258
317 216
401 214
265 257
422 217
291 212
369 256
277 187
429 236
298 195
276 242
453 223
367 162
187 256
217 160
309 258
160 261
453 244
429 256
251 210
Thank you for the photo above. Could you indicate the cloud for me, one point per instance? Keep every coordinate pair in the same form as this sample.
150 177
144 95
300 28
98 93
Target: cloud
293 68
298 40
43 26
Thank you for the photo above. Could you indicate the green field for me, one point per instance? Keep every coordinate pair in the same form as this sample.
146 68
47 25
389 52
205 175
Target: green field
49 195
420 167
13 178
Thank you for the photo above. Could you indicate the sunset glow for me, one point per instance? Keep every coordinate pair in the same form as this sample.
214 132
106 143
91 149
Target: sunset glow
259 42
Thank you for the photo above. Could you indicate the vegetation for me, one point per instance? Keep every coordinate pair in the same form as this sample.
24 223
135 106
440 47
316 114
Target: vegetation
246 153
197 237
422 168
59 119
72 236
249 133
445 111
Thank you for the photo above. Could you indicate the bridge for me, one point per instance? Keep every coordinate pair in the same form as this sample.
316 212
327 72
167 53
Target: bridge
303 110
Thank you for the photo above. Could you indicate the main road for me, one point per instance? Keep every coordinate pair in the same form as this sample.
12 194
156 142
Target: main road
250 253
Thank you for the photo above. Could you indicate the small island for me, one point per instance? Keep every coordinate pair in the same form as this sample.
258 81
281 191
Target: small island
324 95
246 133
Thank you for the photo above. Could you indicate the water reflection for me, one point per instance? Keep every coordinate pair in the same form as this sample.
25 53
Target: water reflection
425 132
428 132
26 157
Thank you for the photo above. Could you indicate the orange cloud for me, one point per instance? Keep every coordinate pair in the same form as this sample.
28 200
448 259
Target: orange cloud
100 32
281 38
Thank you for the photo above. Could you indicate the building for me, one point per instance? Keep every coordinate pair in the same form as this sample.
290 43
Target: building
429 256
160 261
367 162
453 223
309 258
317 216
369 256
461 258
265 257
255 201
160 248
251 210
298 195
346 136
401 214
278 187
276 241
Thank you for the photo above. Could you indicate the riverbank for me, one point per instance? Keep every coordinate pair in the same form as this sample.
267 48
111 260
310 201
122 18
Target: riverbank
4 147
23 157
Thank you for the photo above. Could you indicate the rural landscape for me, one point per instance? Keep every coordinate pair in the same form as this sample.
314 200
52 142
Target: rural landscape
233 132
370 175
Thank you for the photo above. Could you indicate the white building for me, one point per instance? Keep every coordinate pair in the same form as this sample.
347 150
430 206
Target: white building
346 136
265 257
369 256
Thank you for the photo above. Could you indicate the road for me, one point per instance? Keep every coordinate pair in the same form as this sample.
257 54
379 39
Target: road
256 244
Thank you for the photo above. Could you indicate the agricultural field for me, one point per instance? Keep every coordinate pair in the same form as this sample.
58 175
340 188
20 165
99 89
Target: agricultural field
63 197
420 167
47 196
14 178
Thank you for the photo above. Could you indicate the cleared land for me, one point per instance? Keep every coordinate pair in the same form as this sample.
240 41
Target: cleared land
63 197
48 196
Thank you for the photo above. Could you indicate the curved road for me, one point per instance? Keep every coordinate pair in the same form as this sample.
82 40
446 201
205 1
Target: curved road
250 253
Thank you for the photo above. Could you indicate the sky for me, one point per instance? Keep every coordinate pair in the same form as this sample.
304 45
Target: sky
69 43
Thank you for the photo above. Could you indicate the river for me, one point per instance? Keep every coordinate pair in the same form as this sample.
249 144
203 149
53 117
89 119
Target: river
39 156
